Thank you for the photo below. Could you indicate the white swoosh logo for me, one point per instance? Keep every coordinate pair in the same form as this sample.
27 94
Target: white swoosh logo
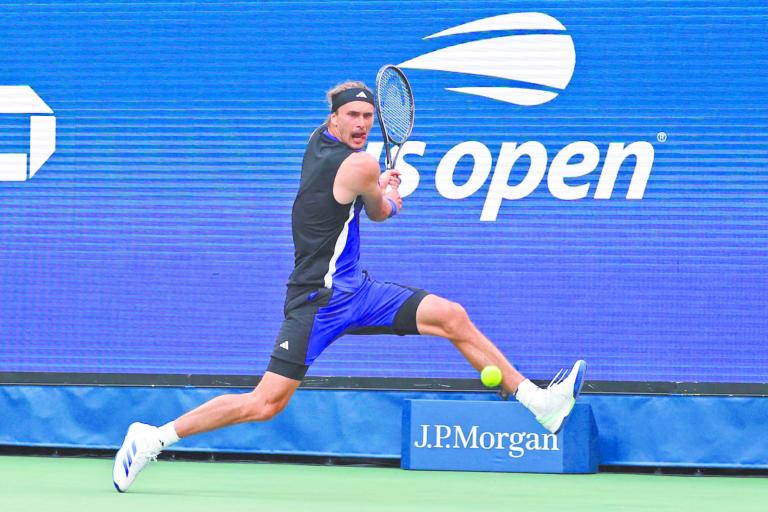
538 59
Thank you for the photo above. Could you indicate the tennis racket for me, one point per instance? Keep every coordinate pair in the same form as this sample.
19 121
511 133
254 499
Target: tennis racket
394 108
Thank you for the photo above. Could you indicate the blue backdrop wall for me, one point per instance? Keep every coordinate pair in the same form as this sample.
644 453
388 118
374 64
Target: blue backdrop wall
156 239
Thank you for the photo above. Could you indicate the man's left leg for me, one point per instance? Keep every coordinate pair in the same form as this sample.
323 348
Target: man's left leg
437 316
440 317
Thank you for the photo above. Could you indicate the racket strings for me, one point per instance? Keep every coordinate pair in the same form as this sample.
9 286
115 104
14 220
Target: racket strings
396 106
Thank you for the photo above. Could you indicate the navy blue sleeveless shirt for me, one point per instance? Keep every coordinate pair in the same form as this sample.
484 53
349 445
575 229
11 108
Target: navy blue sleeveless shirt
326 234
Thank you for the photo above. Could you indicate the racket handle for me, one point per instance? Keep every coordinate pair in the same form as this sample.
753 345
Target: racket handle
387 156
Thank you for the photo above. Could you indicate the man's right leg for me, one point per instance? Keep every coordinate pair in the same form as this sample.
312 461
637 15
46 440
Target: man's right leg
302 337
268 398
145 442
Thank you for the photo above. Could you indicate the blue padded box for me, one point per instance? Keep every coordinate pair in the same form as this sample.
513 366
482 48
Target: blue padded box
495 436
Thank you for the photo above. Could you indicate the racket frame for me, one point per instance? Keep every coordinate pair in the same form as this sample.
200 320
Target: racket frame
388 142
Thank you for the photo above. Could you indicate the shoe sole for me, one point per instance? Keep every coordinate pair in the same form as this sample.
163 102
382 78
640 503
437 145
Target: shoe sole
118 458
580 372
579 378
114 467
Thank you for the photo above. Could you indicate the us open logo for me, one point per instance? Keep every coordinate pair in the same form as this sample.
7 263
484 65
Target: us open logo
540 65
21 99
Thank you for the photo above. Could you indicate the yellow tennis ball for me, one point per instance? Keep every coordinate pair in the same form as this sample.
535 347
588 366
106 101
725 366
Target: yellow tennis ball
490 376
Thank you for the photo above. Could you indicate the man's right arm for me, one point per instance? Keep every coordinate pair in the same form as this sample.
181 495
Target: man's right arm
359 176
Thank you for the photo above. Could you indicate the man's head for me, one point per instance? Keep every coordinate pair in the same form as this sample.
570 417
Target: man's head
351 115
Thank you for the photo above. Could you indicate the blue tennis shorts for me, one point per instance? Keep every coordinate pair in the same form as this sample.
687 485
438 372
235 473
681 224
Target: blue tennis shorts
316 318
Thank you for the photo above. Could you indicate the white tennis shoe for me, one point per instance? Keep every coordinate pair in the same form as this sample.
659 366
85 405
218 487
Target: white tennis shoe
141 444
553 404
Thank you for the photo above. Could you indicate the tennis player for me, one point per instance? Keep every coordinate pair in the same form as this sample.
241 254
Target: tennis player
330 295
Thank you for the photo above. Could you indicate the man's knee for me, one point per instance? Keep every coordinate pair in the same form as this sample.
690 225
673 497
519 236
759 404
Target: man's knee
257 407
269 398
453 318
456 319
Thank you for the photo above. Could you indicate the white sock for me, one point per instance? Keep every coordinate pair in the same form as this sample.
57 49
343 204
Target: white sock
168 435
526 393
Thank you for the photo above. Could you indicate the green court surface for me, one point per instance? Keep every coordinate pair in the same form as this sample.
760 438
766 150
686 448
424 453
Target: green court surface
85 485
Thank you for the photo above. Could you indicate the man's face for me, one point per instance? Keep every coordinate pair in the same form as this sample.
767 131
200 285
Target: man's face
352 122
